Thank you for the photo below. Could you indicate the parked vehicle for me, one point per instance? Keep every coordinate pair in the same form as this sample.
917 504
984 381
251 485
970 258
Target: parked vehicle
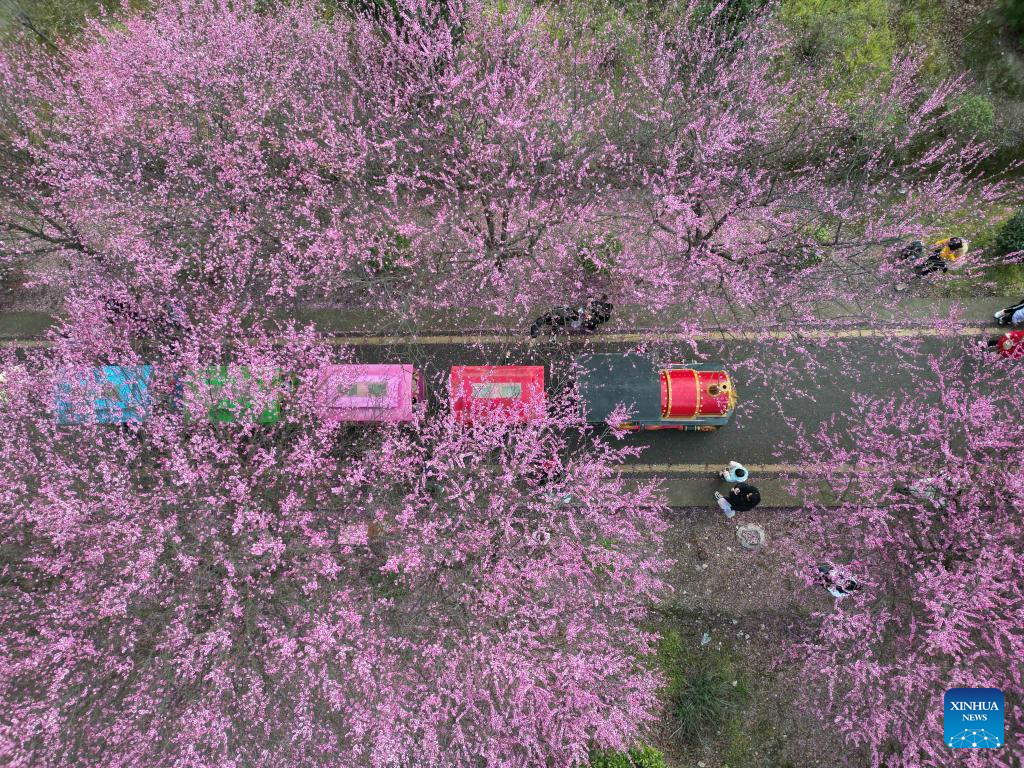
110 394
683 396
680 396
369 393
513 390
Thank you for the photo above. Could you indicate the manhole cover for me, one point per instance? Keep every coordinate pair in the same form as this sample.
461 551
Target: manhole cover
751 536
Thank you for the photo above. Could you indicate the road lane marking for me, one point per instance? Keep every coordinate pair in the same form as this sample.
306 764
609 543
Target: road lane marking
625 338
611 338
713 469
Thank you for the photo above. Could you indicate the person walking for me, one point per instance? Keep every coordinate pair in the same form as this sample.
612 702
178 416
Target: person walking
552 319
734 473
558 317
1012 315
586 317
577 317
912 254
742 497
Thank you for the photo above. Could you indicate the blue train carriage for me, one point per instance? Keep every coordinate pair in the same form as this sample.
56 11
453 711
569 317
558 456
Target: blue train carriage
108 394
682 396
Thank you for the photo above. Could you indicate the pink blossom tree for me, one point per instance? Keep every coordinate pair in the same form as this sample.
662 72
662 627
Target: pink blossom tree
759 189
288 594
181 592
465 156
273 155
930 495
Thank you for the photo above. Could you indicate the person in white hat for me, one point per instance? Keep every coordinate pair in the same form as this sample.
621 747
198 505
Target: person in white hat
734 473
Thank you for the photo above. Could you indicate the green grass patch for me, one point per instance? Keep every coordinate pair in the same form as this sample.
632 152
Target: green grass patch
642 756
1009 278
851 38
921 23
748 747
706 687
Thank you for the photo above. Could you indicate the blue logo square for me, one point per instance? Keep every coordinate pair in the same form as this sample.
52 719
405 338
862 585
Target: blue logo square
973 718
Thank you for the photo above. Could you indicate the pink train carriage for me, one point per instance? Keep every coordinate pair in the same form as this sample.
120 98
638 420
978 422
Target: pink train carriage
369 393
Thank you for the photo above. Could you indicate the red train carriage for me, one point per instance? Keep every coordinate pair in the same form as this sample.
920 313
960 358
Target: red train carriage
514 391
684 396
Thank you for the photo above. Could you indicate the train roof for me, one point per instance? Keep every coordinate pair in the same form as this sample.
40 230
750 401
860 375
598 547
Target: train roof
606 380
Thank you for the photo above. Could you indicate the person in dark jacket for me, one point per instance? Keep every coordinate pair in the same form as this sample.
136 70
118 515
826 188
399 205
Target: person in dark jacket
838 583
742 497
599 311
559 317
587 317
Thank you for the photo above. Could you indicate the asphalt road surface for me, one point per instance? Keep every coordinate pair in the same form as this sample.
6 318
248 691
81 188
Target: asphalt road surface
778 387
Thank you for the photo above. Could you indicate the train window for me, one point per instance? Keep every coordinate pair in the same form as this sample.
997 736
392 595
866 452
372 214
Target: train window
364 389
497 391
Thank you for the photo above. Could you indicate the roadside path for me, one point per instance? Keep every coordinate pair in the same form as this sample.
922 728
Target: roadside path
628 322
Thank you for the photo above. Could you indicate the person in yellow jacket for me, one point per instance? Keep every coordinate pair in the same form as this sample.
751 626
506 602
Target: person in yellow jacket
947 254
952 248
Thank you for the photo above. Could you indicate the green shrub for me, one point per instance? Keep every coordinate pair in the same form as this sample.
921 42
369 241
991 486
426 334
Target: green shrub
705 688
851 37
972 115
1012 14
1011 236
703 702
597 256
395 248
642 756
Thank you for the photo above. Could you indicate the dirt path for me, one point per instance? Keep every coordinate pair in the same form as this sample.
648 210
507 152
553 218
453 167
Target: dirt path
746 606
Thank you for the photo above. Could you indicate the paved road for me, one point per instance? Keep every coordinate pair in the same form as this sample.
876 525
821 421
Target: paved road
777 381
774 384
